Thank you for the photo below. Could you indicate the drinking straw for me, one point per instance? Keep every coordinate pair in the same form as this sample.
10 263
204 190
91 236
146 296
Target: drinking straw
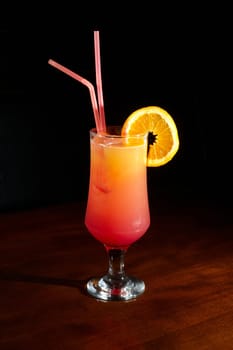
85 82
99 81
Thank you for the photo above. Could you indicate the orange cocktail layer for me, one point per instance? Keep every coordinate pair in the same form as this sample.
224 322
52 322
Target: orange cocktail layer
117 209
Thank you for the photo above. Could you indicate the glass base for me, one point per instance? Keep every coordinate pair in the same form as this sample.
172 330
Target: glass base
107 289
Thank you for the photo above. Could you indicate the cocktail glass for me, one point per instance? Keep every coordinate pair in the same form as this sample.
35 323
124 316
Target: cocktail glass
117 212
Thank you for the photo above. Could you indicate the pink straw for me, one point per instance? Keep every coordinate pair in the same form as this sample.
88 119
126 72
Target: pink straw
88 84
99 81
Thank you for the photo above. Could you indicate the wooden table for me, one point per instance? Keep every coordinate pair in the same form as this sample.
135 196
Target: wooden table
185 259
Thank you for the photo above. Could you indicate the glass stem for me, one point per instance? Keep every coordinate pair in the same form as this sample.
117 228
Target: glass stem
116 270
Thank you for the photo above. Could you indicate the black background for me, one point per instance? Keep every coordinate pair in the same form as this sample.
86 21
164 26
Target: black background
170 58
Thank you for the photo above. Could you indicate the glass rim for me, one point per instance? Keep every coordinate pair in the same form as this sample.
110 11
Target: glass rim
114 133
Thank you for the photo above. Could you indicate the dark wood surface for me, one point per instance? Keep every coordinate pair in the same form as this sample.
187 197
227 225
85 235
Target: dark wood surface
185 259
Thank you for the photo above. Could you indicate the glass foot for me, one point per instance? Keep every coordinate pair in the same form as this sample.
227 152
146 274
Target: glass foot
119 290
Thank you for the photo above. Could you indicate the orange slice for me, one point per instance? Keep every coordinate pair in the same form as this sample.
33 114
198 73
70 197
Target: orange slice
163 139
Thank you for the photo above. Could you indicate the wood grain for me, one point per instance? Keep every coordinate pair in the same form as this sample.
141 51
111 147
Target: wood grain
185 259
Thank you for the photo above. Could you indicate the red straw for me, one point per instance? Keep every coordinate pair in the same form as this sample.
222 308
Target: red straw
98 109
85 82
99 81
